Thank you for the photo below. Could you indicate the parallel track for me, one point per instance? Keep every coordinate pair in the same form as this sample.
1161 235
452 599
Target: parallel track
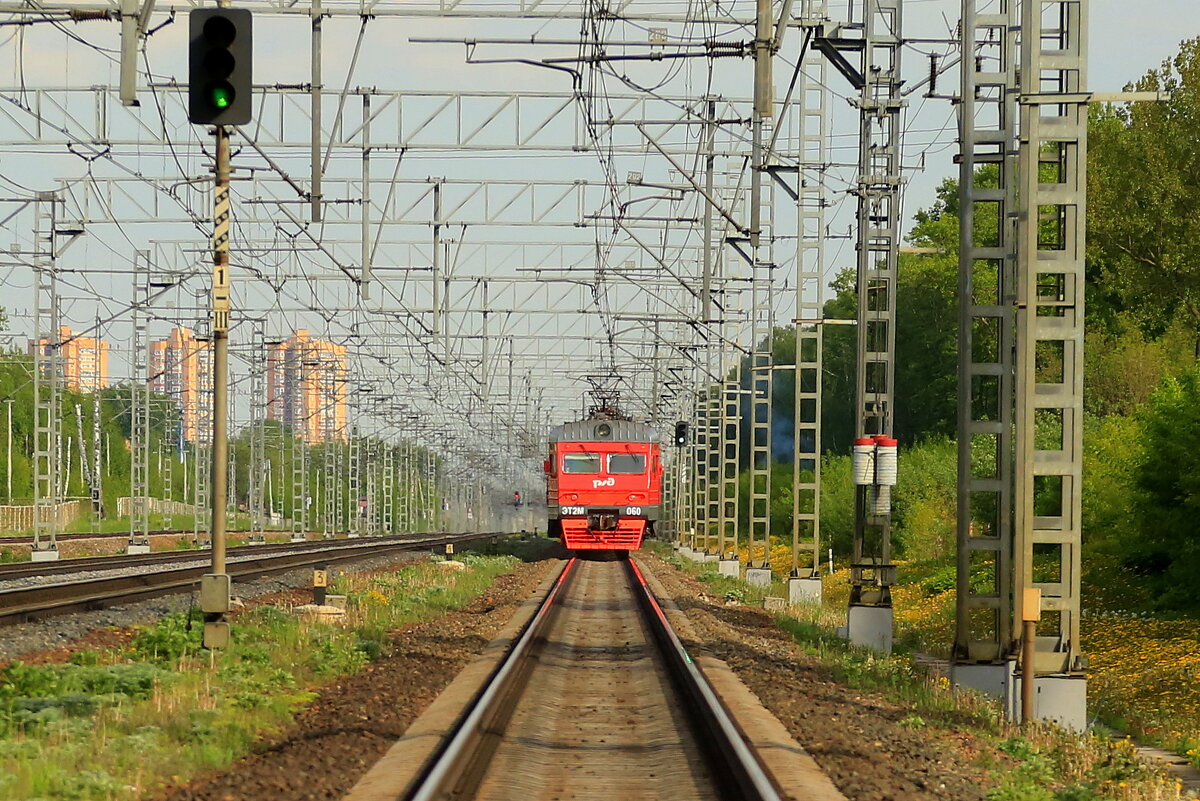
27 539
17 570
597 699
26 603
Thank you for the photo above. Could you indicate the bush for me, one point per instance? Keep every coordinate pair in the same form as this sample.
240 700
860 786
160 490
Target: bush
172 637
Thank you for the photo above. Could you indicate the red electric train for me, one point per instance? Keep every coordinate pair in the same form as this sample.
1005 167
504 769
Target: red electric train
603 483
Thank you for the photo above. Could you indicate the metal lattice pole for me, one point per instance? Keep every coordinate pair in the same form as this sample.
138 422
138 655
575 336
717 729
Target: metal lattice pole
1022 293
97 483
805 584
202 448
47 488
354 488
713 485
388 487
329 480
987 293
1051 216
699 473
878 188
258 434
762 312
139 426
299 449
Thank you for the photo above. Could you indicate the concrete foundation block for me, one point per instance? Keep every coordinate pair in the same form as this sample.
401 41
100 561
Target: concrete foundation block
729 567
711 557
758 576
774 603
44 555
133 548
1062 699
804 591
871 626
297 539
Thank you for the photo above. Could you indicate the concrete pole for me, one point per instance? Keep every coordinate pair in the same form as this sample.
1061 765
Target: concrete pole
215 586
315 112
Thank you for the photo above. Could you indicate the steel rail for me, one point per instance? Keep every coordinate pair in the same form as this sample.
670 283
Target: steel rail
737 768
26 603
452 764
461 760
18 570
27 539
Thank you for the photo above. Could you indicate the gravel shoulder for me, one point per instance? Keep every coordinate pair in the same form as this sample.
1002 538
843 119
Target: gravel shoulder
861 740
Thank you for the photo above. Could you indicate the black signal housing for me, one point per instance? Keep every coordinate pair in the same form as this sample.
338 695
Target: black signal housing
220 61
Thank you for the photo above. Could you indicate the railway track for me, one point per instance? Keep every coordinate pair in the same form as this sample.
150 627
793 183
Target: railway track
18 570
26 539
26 603
597 699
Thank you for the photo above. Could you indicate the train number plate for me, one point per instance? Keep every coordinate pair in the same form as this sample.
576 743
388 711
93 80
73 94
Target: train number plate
573 510
633 510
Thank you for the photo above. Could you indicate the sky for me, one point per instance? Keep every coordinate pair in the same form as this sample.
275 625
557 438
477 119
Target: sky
1127 38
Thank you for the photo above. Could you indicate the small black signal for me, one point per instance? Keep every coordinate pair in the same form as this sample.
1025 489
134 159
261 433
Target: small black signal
681 434
219 66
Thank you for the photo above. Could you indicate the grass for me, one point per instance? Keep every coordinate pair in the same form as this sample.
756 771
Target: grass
1040 763
116 726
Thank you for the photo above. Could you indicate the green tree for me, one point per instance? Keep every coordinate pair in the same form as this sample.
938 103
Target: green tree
1143 200
926 331
1167 552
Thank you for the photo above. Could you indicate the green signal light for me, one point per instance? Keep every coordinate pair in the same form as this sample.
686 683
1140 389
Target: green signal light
221 96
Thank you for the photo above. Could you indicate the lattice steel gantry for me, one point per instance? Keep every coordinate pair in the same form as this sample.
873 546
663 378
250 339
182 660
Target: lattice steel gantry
1021 351
139 411
878 41
47 368
804 584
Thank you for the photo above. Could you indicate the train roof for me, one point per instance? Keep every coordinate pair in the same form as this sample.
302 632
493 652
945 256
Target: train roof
592 431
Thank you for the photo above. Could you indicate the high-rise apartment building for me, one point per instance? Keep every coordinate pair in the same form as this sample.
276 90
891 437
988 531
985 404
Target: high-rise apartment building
306 386
83 360
181 369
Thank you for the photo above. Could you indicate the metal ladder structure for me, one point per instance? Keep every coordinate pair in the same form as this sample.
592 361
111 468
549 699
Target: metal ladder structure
47 369
202 447
139 410
811 201
878 42
354 485
698 531
258 433
388 488
1021 352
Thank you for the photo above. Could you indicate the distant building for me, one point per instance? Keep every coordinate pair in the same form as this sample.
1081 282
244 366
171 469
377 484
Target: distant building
181 369
83 360
306 386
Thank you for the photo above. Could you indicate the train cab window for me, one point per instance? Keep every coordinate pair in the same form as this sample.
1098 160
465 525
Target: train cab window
627 463
581 463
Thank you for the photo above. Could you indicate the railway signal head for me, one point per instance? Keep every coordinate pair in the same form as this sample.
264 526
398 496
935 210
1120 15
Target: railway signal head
681 434
219 66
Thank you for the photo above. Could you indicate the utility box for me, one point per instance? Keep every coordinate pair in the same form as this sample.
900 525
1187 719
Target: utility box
215 593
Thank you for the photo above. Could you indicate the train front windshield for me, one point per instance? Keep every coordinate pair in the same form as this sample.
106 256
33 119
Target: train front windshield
581 463
627 463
